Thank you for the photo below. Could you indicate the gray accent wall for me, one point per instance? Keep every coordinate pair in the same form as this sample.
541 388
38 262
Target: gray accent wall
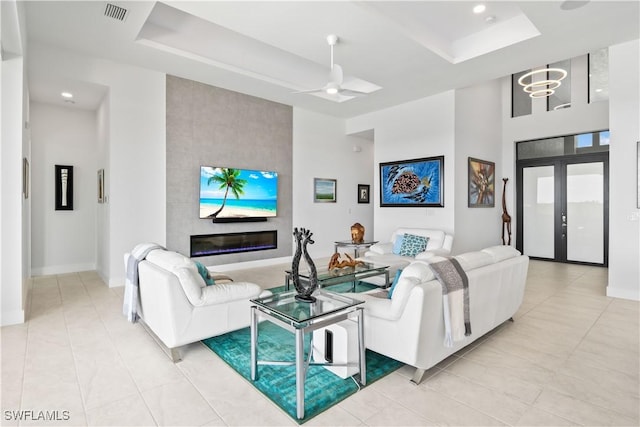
210 126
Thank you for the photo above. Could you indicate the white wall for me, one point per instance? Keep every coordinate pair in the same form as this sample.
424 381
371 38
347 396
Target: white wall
14 146
63 241
478 134
135 166
624 116
102 209
322 150
417 129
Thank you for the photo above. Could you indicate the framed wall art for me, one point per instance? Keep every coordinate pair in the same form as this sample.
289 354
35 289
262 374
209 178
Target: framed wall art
324 190
363 193
413 183
25 177
482 185
100 185
64 187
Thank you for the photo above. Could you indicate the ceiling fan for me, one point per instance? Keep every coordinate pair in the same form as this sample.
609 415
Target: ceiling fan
336 77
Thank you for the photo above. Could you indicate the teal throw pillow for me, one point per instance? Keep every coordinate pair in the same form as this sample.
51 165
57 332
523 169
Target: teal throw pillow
412 245
204 272
397 244
395 282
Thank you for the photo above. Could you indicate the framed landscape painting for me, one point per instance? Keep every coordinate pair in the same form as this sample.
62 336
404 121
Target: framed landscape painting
482 185
412 183
324 190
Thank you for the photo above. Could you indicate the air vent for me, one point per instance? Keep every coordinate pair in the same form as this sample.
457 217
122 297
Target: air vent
115 12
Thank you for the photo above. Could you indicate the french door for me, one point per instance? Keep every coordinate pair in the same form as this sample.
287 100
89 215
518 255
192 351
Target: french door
563 212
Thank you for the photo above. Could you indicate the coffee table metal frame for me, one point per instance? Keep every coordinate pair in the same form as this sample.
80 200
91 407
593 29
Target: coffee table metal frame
343 275
283 310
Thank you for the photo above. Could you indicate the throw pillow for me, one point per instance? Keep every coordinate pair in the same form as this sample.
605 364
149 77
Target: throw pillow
204 272
412 245
394 283
397 244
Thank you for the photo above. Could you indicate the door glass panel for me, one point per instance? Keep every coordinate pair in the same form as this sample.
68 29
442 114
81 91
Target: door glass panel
585 212
538 211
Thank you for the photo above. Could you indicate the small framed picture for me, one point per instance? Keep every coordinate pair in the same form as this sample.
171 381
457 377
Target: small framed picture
100 185
363 193
324 190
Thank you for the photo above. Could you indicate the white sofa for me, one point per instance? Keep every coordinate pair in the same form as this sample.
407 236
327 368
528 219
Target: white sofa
382 253
178 307
409 326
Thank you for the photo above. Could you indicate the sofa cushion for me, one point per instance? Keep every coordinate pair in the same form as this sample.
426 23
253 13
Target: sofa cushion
394 283
204 273
470 260
397 245
419 270
500 253
412 245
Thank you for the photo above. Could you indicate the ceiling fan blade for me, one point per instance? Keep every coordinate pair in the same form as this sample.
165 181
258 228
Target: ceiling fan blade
310 91
336 75
349 92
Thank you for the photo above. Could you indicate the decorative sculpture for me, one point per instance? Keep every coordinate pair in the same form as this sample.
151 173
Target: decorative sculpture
303 237
357 233
335 262
506 218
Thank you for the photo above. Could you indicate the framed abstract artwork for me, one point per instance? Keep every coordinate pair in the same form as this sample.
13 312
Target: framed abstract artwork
412 183
482 185
324 190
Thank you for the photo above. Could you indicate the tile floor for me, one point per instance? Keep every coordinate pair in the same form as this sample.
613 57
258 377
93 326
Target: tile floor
570 358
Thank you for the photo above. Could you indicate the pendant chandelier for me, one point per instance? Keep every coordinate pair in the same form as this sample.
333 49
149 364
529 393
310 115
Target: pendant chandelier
543 88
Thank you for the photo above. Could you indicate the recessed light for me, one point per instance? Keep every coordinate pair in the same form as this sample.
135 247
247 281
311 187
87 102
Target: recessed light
479 8
598 90
67 95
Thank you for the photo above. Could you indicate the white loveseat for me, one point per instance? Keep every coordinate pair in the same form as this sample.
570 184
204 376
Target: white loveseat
178 307
383 252
409 326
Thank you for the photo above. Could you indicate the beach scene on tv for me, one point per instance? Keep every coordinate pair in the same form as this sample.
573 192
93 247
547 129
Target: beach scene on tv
237 193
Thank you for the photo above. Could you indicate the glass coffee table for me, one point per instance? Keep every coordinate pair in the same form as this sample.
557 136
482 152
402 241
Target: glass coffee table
336 276
300 318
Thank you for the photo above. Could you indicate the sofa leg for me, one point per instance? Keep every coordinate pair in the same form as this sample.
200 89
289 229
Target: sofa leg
511 320
417 376
175 355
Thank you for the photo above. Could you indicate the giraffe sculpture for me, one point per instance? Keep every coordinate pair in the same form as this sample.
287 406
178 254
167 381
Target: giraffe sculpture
303 237
506 218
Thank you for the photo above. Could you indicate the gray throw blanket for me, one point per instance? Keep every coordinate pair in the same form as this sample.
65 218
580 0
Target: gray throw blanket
455 299
131 289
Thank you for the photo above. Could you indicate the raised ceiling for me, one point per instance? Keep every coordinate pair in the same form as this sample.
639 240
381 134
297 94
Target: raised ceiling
405 50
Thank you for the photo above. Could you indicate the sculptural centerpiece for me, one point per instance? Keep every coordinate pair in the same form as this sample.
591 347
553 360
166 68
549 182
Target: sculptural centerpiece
303 238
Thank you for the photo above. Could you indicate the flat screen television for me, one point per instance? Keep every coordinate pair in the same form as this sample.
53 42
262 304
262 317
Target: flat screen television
237 194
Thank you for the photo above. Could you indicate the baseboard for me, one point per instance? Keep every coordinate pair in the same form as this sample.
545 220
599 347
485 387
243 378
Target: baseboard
14 317
62 269
630 294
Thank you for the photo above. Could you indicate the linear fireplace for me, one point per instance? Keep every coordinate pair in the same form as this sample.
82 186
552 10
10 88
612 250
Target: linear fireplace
230 243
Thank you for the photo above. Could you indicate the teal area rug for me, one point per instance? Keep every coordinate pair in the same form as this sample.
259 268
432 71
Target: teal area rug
323 389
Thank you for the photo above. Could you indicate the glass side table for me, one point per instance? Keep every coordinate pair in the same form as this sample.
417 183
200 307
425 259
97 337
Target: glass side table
298 317
356 246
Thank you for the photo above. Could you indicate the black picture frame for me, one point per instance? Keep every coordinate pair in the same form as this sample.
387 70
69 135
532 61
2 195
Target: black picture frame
363 193
412 183
64 187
